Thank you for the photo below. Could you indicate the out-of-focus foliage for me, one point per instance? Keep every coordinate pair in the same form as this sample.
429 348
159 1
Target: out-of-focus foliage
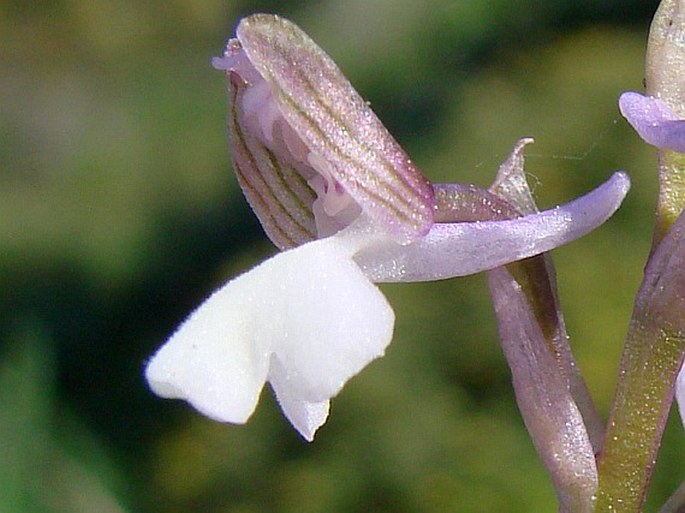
119 212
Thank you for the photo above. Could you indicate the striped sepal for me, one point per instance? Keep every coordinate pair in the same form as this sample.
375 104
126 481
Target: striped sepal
338 126
276 191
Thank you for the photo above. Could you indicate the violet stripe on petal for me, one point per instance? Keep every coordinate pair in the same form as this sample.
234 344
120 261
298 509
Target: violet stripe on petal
284 209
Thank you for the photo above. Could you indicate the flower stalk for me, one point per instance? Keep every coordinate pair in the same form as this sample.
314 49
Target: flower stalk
655 346
652 356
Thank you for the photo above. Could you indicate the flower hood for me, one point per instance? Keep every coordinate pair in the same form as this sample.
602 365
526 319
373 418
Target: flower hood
335 191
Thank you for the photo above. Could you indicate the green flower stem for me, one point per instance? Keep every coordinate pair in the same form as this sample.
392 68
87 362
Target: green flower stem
652 357
671 192
650 363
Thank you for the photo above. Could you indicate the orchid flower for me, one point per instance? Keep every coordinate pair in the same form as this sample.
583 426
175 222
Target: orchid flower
348 207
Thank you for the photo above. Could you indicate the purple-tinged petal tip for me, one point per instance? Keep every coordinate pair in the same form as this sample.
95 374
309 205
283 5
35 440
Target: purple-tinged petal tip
654 121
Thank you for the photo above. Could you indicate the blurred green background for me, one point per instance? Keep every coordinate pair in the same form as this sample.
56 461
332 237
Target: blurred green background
119 213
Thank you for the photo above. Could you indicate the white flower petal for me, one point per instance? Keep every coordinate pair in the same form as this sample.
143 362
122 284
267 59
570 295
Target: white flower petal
307 320
335 321
218 358
305 416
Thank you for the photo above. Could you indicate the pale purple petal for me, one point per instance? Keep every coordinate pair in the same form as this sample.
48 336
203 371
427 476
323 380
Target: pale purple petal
459 249
552 396
543 395
464 203
654 121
